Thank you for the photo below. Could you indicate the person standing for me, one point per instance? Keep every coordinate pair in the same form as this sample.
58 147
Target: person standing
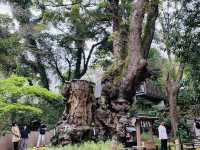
163 136
24 138
41 137
197 128
15 135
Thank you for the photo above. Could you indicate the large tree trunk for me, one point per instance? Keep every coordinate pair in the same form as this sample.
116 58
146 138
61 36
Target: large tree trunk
77 119
77 72
82 116
172 89
120 85
172 92
79 103
137 63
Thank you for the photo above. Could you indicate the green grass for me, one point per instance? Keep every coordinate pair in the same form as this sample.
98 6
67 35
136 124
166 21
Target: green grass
85 146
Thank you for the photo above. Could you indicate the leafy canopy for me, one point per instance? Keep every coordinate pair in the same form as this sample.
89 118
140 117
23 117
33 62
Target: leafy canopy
15 87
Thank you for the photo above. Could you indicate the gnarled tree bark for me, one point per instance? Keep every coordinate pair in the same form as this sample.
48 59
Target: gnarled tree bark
141 35
77 118
120 85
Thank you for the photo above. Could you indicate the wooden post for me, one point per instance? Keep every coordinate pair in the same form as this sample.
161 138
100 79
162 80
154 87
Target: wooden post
138 133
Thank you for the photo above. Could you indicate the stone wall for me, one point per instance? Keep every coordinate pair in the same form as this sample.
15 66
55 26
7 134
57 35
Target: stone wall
6 143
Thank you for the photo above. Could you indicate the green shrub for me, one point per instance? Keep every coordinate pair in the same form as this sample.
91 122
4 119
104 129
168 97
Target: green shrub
84 146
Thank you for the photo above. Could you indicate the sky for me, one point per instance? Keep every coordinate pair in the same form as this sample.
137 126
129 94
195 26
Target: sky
5 9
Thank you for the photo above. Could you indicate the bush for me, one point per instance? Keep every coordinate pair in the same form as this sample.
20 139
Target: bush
84 146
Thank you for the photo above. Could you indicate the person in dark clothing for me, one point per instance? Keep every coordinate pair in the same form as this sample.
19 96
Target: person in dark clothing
24 138
41 137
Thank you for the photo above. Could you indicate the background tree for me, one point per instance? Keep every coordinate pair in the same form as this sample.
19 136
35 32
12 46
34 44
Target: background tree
9 45
179 41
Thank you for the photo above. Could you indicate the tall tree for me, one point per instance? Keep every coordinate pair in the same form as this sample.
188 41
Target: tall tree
179 41
21 12
9 45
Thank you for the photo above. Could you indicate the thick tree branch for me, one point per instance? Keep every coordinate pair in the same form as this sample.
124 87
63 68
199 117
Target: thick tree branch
70 68
59 72
149 27
42 71
84 58
180 72
136 62
55 65
136 29
30 63
116 19
90 54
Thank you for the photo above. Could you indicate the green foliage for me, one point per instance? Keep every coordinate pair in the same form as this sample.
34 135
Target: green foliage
7 107
9 45
4 20
155 61
154 54
13 88
18 86
103 54
145 136
39 27
87 146
8 42
23 3
183 132
103 4
188 98
11 42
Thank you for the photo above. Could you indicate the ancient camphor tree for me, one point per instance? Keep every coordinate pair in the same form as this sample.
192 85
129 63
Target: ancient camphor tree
110 112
